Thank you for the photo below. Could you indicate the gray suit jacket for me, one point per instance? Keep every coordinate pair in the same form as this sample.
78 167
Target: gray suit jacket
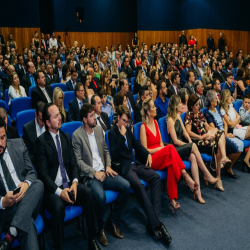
83 151
189 89
23 167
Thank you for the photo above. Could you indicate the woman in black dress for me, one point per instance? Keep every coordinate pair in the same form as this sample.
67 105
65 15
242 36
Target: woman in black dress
241 84
185 147
135 40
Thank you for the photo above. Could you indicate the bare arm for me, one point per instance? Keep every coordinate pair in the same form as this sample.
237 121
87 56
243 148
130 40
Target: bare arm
241 85
193 135
229 122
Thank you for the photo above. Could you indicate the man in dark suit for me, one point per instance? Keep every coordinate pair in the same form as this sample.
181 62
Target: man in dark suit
18 211
101 117
50 77
41 92
94 165
34 129
217 88
144 94
4 74
199 88
189 86
218 73
182 39
122 142
187 67
19 67
11 132
79 65
76 104
210 42
174 88
58 68
57 168
28 79
221 43
127 69
94 84
70 85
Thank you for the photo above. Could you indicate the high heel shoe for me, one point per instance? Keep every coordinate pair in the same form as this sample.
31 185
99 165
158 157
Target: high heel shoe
219 185
201 201
174 205
188 180
210 182
245 166
225 163
233 176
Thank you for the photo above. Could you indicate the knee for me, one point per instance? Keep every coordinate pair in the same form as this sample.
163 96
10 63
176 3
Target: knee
194 147
156 177
100 197
192 157
38 186
126 187
58 210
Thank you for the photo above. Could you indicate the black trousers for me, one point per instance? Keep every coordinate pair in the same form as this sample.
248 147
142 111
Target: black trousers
152 209
55 205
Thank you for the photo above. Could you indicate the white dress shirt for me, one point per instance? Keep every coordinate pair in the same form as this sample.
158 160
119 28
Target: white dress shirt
39 130
59 180
97 161
46 94
80 103
53 42
13 173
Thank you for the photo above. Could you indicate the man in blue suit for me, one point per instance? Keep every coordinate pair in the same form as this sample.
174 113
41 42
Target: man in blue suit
76 104
70 85
187 67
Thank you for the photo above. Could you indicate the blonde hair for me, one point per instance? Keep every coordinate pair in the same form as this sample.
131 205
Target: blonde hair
226 93
144 110
113 65
56 93
12 82
172 107
138 78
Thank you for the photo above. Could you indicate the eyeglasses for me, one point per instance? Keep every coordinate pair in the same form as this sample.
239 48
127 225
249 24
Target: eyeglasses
125 121
60 98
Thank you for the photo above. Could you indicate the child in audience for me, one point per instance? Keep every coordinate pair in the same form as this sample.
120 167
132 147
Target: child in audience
107 107
245 110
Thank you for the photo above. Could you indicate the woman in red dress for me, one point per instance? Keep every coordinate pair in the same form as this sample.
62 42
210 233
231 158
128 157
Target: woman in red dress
163 156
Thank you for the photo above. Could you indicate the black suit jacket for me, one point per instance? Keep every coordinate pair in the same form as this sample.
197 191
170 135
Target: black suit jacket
47 162
123 154
216 74
50 81
93 86
105 119
210 43
74 112
29 138
26 83
129 73
78 66
37 95
137 112
171 91
12 133
131 99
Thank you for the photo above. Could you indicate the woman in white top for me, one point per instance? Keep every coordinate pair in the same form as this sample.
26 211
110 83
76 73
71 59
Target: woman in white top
15 90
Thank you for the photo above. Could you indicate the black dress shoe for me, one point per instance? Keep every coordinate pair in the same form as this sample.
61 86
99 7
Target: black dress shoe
115 230
5 245
93 245
233 176
165 236
245 166
102 238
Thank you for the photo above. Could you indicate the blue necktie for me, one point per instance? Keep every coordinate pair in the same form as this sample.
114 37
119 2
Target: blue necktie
32 80
62 168
80 105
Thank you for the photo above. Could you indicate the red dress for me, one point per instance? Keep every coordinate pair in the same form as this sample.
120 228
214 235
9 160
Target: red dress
138 63
168 158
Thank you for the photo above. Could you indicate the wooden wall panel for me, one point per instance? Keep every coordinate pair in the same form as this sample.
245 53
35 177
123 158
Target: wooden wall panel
98 39
22 36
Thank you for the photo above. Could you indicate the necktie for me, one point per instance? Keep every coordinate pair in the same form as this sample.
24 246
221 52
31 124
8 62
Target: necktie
80 105
129 106
126 143
10 183
41 130
218 96
46 95
119 65
32 80
201 106
177 91
62 168
102 124
95 84
81 67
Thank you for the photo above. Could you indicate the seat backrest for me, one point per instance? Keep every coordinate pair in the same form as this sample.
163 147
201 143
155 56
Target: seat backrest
204 111
68 96
135 98
30 89
132 81
137 128
163 129
8 120
22 118
19 104
70 127
237 105
111 119
6 97
183 117
107 141
60 85
133 116
3 105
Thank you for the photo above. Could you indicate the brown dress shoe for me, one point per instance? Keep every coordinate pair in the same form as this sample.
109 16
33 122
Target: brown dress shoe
115 230
102 238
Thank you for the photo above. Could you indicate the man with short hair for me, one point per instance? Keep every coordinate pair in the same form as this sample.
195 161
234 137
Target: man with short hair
34 129
217 88
76 103
46 57
118 59
144 94
190 82
18 211
161 102
28 80
53 41
122 142
102 117
95 82
221 42
182 39
237 60
174 88
57 168
199 69
231 85
127 69
199 88
187 67
94 166
58 68
70 84
130 100
41 92
103 61
19 67
228 66
80 64
50 78
218 73
210 42
172 63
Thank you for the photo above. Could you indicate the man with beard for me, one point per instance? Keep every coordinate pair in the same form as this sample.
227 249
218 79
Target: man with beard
57 168
161 102
94 165
18 211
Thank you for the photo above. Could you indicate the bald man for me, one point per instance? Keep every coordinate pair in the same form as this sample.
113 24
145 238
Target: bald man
94 84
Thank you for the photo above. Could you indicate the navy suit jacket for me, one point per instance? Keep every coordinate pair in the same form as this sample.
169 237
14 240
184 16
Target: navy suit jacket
210 43
74 112
69 86
184 76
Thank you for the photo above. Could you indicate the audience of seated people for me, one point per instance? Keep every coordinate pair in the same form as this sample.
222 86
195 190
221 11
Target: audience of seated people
61 167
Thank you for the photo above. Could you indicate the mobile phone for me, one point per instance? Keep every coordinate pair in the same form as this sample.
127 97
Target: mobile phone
109 98
17 190
72 196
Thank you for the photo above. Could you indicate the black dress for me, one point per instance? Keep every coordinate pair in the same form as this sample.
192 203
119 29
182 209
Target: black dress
240 94
184 151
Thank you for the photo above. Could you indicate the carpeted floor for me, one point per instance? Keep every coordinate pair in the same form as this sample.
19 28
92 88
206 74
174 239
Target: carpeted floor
222 223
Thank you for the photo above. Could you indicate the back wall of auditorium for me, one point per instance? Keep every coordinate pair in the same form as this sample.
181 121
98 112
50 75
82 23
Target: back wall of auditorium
112 22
